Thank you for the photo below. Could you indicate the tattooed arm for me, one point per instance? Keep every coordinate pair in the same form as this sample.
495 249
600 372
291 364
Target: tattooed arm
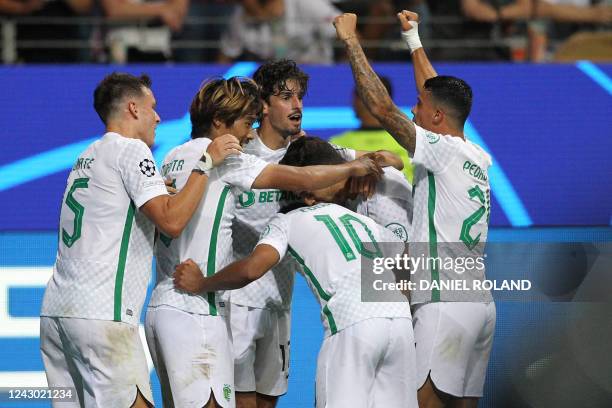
370 88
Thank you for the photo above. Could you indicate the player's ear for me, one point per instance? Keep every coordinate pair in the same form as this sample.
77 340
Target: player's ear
309 200
133 109
266 108
216 123
438 117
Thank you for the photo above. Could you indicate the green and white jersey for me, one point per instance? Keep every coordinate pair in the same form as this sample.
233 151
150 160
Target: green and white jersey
207 238
105 247
328 242
254 209
451 207
391 204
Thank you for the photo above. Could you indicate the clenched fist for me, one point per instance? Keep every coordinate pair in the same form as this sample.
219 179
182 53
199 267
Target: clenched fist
406 17
346 26
188 277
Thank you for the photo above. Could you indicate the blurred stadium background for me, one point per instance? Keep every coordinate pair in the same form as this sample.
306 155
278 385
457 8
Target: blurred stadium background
546 124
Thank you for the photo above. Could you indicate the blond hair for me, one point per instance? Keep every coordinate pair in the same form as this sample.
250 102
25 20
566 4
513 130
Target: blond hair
225 100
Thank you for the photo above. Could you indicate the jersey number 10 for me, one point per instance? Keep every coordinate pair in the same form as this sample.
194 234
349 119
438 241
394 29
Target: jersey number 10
347 221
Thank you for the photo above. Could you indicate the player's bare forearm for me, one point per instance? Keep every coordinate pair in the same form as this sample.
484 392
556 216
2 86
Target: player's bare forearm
233 276
377 99
240 273
310 178
189 278
391 159
385 158
423 70
172 213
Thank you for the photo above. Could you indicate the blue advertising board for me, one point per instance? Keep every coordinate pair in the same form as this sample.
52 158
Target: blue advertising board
546 126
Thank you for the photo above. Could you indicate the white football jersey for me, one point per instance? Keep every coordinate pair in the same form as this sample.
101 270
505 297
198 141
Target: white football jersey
254 208
207 238
105 247
391 204
328 242
451 206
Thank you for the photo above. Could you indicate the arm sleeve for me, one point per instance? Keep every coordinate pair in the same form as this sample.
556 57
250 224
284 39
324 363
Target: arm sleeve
241 171
276 234
347 154
141 177
395 185
433 151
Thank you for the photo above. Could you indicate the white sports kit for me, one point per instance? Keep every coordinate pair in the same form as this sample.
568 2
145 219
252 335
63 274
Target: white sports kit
451 214
207 239
260 312
331 264
92 305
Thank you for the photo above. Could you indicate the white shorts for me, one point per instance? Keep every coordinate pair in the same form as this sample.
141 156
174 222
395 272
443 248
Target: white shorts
102 360
369 364
193 355
453 343
261 349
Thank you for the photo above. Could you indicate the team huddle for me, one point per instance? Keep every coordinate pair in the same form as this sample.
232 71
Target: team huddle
234 213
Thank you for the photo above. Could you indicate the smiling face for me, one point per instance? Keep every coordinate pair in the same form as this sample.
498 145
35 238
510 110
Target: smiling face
283 110
241 128
147 116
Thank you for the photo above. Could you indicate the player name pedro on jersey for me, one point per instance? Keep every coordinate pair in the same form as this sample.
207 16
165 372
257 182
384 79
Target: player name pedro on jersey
475 171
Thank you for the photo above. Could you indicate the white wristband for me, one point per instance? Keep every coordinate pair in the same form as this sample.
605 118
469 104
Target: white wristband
411 37
205 164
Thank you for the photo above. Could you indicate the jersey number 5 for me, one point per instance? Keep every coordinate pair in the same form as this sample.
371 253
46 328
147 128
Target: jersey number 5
347 251
78 210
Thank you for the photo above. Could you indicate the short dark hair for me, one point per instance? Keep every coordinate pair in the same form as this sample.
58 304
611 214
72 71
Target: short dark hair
453 93
113 88
226 100
272 77
311 151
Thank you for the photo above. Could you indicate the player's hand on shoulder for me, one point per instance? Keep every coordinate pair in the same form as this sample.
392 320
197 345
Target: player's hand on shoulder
366 165
346 26
223 146
405 17
364 186
188 277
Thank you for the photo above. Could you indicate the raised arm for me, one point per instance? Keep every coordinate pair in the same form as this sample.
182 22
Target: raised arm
370 88
188 276
311 178
423 70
